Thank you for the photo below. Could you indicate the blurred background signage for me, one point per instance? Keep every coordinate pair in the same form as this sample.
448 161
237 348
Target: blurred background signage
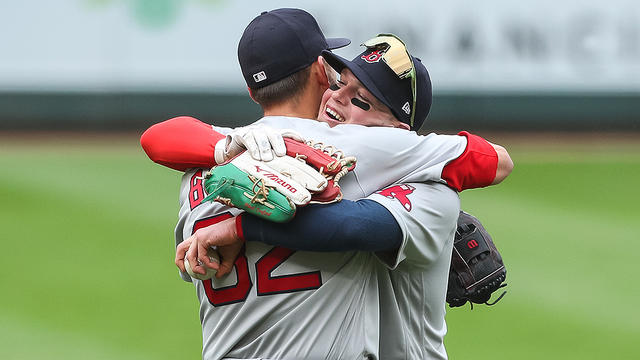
190 45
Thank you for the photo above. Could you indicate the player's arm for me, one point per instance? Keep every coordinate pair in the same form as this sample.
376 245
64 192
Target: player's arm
181 143
478 159
505 164
462 161
481 164
387 155
185 142
427 214
344 226
404 221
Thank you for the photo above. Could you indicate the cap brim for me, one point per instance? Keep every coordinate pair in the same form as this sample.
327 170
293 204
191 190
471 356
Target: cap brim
336 43
338 63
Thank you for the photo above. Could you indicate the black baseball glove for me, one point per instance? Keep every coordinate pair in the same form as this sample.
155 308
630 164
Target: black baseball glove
477 269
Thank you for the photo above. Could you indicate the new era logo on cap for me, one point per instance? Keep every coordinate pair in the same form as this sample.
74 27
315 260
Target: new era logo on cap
406 108
257 77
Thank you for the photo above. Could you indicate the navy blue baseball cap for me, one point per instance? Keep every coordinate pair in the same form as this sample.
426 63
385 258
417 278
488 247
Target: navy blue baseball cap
279 43
386 86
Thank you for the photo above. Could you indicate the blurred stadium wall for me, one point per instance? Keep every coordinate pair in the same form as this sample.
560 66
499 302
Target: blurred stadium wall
502 65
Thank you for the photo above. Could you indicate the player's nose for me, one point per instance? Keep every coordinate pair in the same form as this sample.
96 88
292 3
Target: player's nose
339 96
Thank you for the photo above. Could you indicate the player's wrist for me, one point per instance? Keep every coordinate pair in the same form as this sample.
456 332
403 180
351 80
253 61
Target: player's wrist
219 151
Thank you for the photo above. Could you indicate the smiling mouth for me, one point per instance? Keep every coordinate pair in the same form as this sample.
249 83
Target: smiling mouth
333 114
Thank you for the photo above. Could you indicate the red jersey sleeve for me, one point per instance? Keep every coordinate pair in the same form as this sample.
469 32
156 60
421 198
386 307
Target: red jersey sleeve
475 168
181 143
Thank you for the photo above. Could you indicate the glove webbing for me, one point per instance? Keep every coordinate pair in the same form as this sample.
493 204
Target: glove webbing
341 160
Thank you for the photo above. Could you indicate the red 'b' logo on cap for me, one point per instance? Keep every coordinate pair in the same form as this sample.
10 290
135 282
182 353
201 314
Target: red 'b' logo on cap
373 57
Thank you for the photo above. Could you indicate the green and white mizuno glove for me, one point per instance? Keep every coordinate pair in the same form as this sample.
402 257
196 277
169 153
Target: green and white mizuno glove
274 189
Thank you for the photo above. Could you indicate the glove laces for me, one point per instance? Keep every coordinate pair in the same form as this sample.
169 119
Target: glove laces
260 192
342 161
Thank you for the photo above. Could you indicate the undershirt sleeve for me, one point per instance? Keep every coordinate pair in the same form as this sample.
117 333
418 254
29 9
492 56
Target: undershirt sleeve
475 168
343 226
181 143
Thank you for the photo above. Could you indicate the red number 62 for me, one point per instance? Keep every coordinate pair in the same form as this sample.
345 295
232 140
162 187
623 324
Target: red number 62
266 283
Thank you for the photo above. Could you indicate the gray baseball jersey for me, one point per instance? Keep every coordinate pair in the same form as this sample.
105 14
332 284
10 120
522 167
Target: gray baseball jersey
284 304
413 308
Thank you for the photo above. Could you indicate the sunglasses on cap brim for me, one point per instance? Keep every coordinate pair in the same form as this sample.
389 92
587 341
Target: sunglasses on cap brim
398 59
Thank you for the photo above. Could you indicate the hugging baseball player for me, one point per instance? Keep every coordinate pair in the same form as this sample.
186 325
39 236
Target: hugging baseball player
361 294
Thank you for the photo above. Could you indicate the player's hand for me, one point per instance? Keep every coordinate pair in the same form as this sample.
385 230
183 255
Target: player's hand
259 140
189 250
181 252
195 248
228 255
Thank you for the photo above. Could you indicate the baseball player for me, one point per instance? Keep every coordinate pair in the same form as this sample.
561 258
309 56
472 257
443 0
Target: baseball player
414 236
275 317
409 226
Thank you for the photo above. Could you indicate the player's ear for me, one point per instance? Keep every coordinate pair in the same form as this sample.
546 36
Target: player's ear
251 95
393 122
330 74
402 125
319 73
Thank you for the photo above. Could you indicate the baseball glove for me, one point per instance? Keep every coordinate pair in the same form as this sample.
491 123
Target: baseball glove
476 269
331 162
309 173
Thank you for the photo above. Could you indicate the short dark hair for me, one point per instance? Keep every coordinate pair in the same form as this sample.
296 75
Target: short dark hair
282 90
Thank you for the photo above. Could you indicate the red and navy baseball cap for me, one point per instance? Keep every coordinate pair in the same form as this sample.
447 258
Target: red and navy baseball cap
386 86
279 43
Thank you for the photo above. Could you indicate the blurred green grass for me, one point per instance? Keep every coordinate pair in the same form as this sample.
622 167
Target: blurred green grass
566 223
88 270
88 233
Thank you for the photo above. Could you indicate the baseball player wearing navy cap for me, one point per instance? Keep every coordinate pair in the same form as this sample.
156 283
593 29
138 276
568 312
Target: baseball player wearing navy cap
280 303
409 98
279 43
414 236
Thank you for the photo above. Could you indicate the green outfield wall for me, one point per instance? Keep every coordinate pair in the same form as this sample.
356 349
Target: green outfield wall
136 111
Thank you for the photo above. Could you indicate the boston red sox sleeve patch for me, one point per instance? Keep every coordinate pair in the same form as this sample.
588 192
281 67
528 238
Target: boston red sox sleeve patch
399 192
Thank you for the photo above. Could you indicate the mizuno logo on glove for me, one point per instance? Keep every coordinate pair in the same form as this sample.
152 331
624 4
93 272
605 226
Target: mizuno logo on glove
275 178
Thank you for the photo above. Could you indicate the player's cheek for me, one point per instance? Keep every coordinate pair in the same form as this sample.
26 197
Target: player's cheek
354 115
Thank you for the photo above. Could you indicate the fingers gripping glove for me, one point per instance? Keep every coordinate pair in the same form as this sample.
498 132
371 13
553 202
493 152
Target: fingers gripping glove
260 141
476 269
271 190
